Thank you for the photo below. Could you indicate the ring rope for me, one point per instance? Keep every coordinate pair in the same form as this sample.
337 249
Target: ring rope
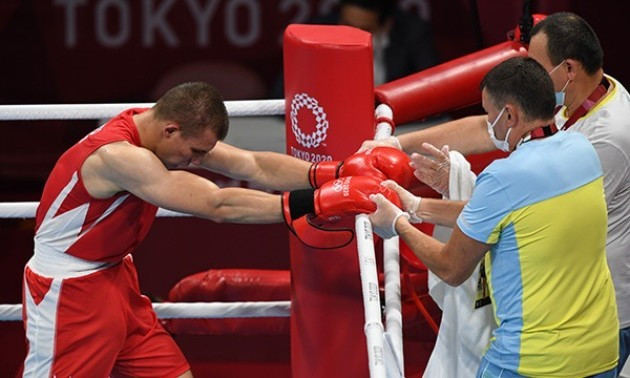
385 349
247 108
195 310
26 210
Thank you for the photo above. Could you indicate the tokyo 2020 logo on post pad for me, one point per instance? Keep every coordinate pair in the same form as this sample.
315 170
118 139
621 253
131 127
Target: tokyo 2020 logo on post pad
314 139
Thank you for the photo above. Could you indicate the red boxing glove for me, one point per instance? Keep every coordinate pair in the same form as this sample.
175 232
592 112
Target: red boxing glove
347 196
382 163
319 236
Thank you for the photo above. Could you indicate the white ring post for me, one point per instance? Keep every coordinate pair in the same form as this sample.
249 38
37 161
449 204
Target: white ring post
371 301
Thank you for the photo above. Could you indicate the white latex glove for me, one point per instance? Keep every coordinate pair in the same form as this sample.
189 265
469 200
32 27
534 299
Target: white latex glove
385 217
390 141
410 203
434 169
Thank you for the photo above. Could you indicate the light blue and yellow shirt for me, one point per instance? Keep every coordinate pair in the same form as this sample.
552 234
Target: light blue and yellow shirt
543 211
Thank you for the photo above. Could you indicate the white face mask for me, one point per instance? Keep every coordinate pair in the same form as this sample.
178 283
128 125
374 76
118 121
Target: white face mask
502 145
560 96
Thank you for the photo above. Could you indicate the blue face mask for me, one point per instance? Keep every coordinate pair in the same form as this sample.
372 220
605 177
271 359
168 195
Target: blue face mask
560 96
502 145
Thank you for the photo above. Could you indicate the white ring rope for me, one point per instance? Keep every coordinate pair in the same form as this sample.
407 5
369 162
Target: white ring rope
395 365
196 310
373 327
385 349
247 108
27 210
393 309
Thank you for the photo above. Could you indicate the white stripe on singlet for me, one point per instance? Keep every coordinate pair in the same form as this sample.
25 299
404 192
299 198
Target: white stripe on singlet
58 233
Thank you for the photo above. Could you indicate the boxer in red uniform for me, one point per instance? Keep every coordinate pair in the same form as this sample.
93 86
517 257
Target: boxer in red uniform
83 311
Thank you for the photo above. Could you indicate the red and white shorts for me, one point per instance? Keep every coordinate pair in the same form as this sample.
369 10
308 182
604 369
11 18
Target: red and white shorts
95 326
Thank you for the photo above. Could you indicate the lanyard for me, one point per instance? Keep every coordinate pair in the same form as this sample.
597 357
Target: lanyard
593 98
543 132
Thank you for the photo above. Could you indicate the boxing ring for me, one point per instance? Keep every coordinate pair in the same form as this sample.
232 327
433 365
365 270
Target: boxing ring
448 86
26 210
378 341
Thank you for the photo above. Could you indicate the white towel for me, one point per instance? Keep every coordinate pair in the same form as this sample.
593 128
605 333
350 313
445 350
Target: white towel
625 372
464 331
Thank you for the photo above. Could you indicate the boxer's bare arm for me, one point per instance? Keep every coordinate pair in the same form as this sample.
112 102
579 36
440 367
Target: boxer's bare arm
268 170
121 166
467 135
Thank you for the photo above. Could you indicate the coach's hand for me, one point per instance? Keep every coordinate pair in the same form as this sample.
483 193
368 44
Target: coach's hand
410 203
434 168
385 217
390 141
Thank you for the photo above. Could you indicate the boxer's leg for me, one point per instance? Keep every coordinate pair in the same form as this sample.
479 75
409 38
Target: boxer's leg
74 326
149 351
